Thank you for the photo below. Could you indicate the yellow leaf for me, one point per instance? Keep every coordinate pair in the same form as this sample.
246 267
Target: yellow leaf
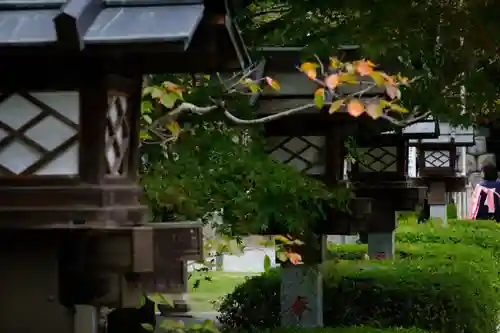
272 83
174 128
374 110
336 106
355 108
398 108
363 68
307 66
392 91
157 92
332 81
251 84
378 78
319 98
347 78
281 239
371 64
334 63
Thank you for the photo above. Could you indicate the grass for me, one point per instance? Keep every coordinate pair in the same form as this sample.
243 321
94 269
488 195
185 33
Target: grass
203 297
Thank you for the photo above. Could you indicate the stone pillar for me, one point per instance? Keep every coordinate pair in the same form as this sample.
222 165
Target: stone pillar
437 201
86 319
381 239
302 289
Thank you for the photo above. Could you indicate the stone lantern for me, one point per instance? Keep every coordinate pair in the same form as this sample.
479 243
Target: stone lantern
71 221
438 168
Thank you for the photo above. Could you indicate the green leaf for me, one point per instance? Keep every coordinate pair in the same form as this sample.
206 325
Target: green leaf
267 263
281 256
168 100
148 327
147 119
319 98
335 106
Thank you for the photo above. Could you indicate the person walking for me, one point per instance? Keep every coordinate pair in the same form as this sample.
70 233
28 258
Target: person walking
485 201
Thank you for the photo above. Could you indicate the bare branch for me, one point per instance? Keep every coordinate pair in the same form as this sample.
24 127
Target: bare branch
406 122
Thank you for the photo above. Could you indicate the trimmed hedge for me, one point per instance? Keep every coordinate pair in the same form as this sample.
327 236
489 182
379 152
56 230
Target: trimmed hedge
450 298
487 238
359 329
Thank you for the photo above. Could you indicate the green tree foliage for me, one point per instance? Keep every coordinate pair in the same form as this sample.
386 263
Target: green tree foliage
448 44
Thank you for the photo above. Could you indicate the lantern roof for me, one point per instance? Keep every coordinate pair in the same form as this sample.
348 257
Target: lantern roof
121 27
459 136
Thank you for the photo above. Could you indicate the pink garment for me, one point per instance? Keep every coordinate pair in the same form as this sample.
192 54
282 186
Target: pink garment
476 197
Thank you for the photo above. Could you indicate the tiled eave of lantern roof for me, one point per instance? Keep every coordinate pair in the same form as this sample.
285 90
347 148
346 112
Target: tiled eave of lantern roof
165 25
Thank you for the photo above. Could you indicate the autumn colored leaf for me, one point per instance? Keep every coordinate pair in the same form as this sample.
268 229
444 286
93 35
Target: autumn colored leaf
374 110
398 108
281 239
392 91
169 86
309 68
355 108
388 78
332 81
364 68
378 78
252 85
336 105
174 128
347 78
319 98
300 306
272 83
350 68
335 63
294 258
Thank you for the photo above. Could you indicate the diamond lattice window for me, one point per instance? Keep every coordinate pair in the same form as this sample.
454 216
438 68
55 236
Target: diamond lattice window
437 159
303 153
381 159
39 133
117 135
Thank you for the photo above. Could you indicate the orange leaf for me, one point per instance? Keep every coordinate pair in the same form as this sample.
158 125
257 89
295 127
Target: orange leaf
388 78
332 81
312 74
272 83
294 258
364 68
355 108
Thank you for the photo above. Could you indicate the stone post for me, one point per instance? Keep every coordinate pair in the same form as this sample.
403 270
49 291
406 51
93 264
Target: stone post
302 288
437 201
381 239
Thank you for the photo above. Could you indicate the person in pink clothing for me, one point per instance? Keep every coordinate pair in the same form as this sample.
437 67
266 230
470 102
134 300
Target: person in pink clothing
485 203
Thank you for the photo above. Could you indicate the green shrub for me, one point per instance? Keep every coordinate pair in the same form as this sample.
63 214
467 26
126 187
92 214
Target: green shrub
417 251
450 298
359 329
451 211
475 224
431 233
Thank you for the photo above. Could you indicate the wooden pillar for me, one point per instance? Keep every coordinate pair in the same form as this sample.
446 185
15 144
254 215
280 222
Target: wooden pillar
437 201
381 239
302 287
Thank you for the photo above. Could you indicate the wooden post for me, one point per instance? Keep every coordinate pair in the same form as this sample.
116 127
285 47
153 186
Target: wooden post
437 201
302 288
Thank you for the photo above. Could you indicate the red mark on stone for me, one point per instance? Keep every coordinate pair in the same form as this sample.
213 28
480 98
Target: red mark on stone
300 306
380 255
